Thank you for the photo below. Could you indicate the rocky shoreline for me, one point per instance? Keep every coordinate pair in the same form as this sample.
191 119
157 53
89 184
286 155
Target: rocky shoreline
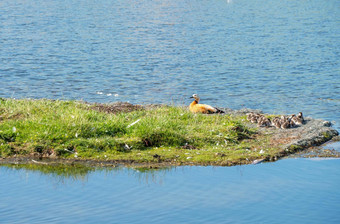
314 132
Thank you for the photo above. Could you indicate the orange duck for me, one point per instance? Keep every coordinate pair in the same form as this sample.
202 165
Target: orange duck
195 107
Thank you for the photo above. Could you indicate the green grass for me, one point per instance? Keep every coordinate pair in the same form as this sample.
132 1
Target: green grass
70 129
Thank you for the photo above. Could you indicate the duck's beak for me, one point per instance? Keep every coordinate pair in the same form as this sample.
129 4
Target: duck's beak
191 97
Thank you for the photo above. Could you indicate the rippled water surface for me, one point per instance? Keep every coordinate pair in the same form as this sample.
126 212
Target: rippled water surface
281 56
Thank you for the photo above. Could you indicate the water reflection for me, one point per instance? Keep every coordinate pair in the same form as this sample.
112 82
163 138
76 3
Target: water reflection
66 173
154 176
60 173
293 190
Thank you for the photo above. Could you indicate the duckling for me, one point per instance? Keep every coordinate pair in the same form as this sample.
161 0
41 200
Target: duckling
283 118
295 120
249 116
202 108
264 121
300 116
292 123
277 122
253 117
285 122
298 120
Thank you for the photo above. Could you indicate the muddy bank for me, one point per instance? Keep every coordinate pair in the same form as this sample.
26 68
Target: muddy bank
84 162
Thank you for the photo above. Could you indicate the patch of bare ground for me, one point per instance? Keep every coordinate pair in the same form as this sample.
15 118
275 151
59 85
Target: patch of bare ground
118 107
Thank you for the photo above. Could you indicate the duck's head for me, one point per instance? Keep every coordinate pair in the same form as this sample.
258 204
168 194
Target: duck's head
195 96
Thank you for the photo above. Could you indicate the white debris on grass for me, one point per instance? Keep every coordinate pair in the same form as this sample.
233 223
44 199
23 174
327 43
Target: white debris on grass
130 125
68 151
127 147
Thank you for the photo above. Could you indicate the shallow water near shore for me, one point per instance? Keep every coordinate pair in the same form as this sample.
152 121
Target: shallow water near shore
293 190
279 56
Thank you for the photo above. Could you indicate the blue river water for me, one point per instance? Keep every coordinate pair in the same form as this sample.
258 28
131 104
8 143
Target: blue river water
287 191
280 56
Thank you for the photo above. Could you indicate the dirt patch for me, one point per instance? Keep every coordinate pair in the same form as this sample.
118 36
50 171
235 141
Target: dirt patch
114 108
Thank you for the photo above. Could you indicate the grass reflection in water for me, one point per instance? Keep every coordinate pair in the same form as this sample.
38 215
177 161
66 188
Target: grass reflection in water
63 173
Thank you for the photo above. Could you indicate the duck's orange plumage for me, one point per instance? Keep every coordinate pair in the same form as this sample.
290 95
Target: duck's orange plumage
195 107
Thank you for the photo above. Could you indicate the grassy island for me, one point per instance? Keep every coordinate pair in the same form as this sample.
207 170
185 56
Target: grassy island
127 133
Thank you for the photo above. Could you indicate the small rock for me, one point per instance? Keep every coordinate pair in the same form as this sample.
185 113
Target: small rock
187 146
220 154
336 138
257 161
156 156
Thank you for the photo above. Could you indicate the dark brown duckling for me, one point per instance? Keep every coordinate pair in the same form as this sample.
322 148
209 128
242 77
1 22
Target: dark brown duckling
249 116
252 117
292 124
255 118
264 122
298 120
295 120
277 122
285 122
